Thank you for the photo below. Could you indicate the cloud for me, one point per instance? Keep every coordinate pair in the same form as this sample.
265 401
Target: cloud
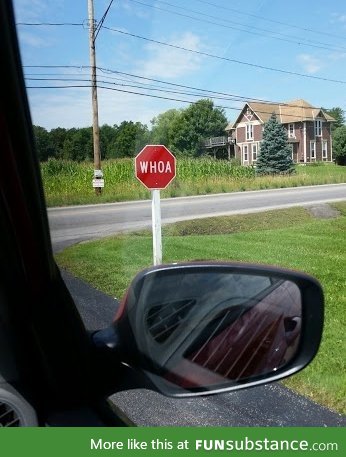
67 108
338 18
310 63
337 56
31 39
30 10
72 107
169 62
133 10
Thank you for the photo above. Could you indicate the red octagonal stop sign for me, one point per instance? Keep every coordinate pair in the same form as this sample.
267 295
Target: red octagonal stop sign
155 166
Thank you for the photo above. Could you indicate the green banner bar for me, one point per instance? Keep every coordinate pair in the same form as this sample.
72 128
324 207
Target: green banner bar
171 442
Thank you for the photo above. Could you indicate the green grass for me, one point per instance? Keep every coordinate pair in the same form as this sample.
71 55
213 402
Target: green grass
289 238
69 183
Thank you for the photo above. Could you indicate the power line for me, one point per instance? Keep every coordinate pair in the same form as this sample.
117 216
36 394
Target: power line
227 59
305 29
125 91
241 98
146 87
128 92
50 23
161 97
263 67
223 7
99 25
287 38
203 92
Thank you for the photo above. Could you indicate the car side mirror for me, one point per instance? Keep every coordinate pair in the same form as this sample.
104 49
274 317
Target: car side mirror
201 328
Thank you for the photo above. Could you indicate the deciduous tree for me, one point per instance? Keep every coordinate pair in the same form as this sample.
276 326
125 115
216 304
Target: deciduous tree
57 137
161 131
131 137
44 145
196 123
339 145
338 114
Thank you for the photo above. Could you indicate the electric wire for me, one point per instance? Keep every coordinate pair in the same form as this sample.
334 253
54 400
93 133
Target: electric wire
50 23
205 54
286 24
99 25
161 97
147 87
286 38
202 92
227 59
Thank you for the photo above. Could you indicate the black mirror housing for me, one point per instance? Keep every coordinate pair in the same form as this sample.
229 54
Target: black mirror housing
209 327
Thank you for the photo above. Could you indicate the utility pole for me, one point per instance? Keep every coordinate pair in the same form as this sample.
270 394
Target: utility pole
98 182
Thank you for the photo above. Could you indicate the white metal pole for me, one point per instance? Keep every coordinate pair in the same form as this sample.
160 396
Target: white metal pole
156 224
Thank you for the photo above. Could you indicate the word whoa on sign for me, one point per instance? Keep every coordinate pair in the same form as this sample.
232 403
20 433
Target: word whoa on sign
155 166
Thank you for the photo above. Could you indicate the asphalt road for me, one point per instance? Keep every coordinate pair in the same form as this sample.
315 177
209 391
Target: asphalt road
266 406
73 224
271 405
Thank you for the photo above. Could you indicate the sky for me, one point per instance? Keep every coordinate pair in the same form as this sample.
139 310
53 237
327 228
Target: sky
153 56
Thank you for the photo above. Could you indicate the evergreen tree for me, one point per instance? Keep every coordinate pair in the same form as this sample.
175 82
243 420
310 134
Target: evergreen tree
275 156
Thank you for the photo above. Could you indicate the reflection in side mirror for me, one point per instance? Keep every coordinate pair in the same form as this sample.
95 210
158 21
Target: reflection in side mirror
202 327
250 338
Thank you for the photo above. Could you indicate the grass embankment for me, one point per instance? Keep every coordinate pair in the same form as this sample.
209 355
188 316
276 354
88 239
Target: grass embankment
69 183
289 238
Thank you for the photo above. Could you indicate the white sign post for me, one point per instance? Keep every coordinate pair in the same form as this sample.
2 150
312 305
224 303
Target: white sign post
156 225
155 168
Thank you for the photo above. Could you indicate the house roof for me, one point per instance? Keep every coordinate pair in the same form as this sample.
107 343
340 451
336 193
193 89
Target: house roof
230 126
289 112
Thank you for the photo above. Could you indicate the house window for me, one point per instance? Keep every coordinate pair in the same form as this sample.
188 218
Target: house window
245 153
254 152
291 133
249 131
312 149
318 127
324 150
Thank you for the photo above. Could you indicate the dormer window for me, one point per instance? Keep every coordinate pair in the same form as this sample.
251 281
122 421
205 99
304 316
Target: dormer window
318 127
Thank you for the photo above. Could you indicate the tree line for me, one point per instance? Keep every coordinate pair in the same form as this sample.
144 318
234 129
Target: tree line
183 131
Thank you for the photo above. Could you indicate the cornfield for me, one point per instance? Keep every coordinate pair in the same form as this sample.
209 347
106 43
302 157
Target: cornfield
67 182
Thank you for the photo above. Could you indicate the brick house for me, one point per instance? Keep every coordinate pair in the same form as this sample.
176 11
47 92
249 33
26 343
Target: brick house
308 131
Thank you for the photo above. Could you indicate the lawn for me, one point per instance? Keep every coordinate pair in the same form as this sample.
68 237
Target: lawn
290 238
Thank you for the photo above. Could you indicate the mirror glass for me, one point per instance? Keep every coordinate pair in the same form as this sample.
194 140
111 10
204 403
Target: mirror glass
209 327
